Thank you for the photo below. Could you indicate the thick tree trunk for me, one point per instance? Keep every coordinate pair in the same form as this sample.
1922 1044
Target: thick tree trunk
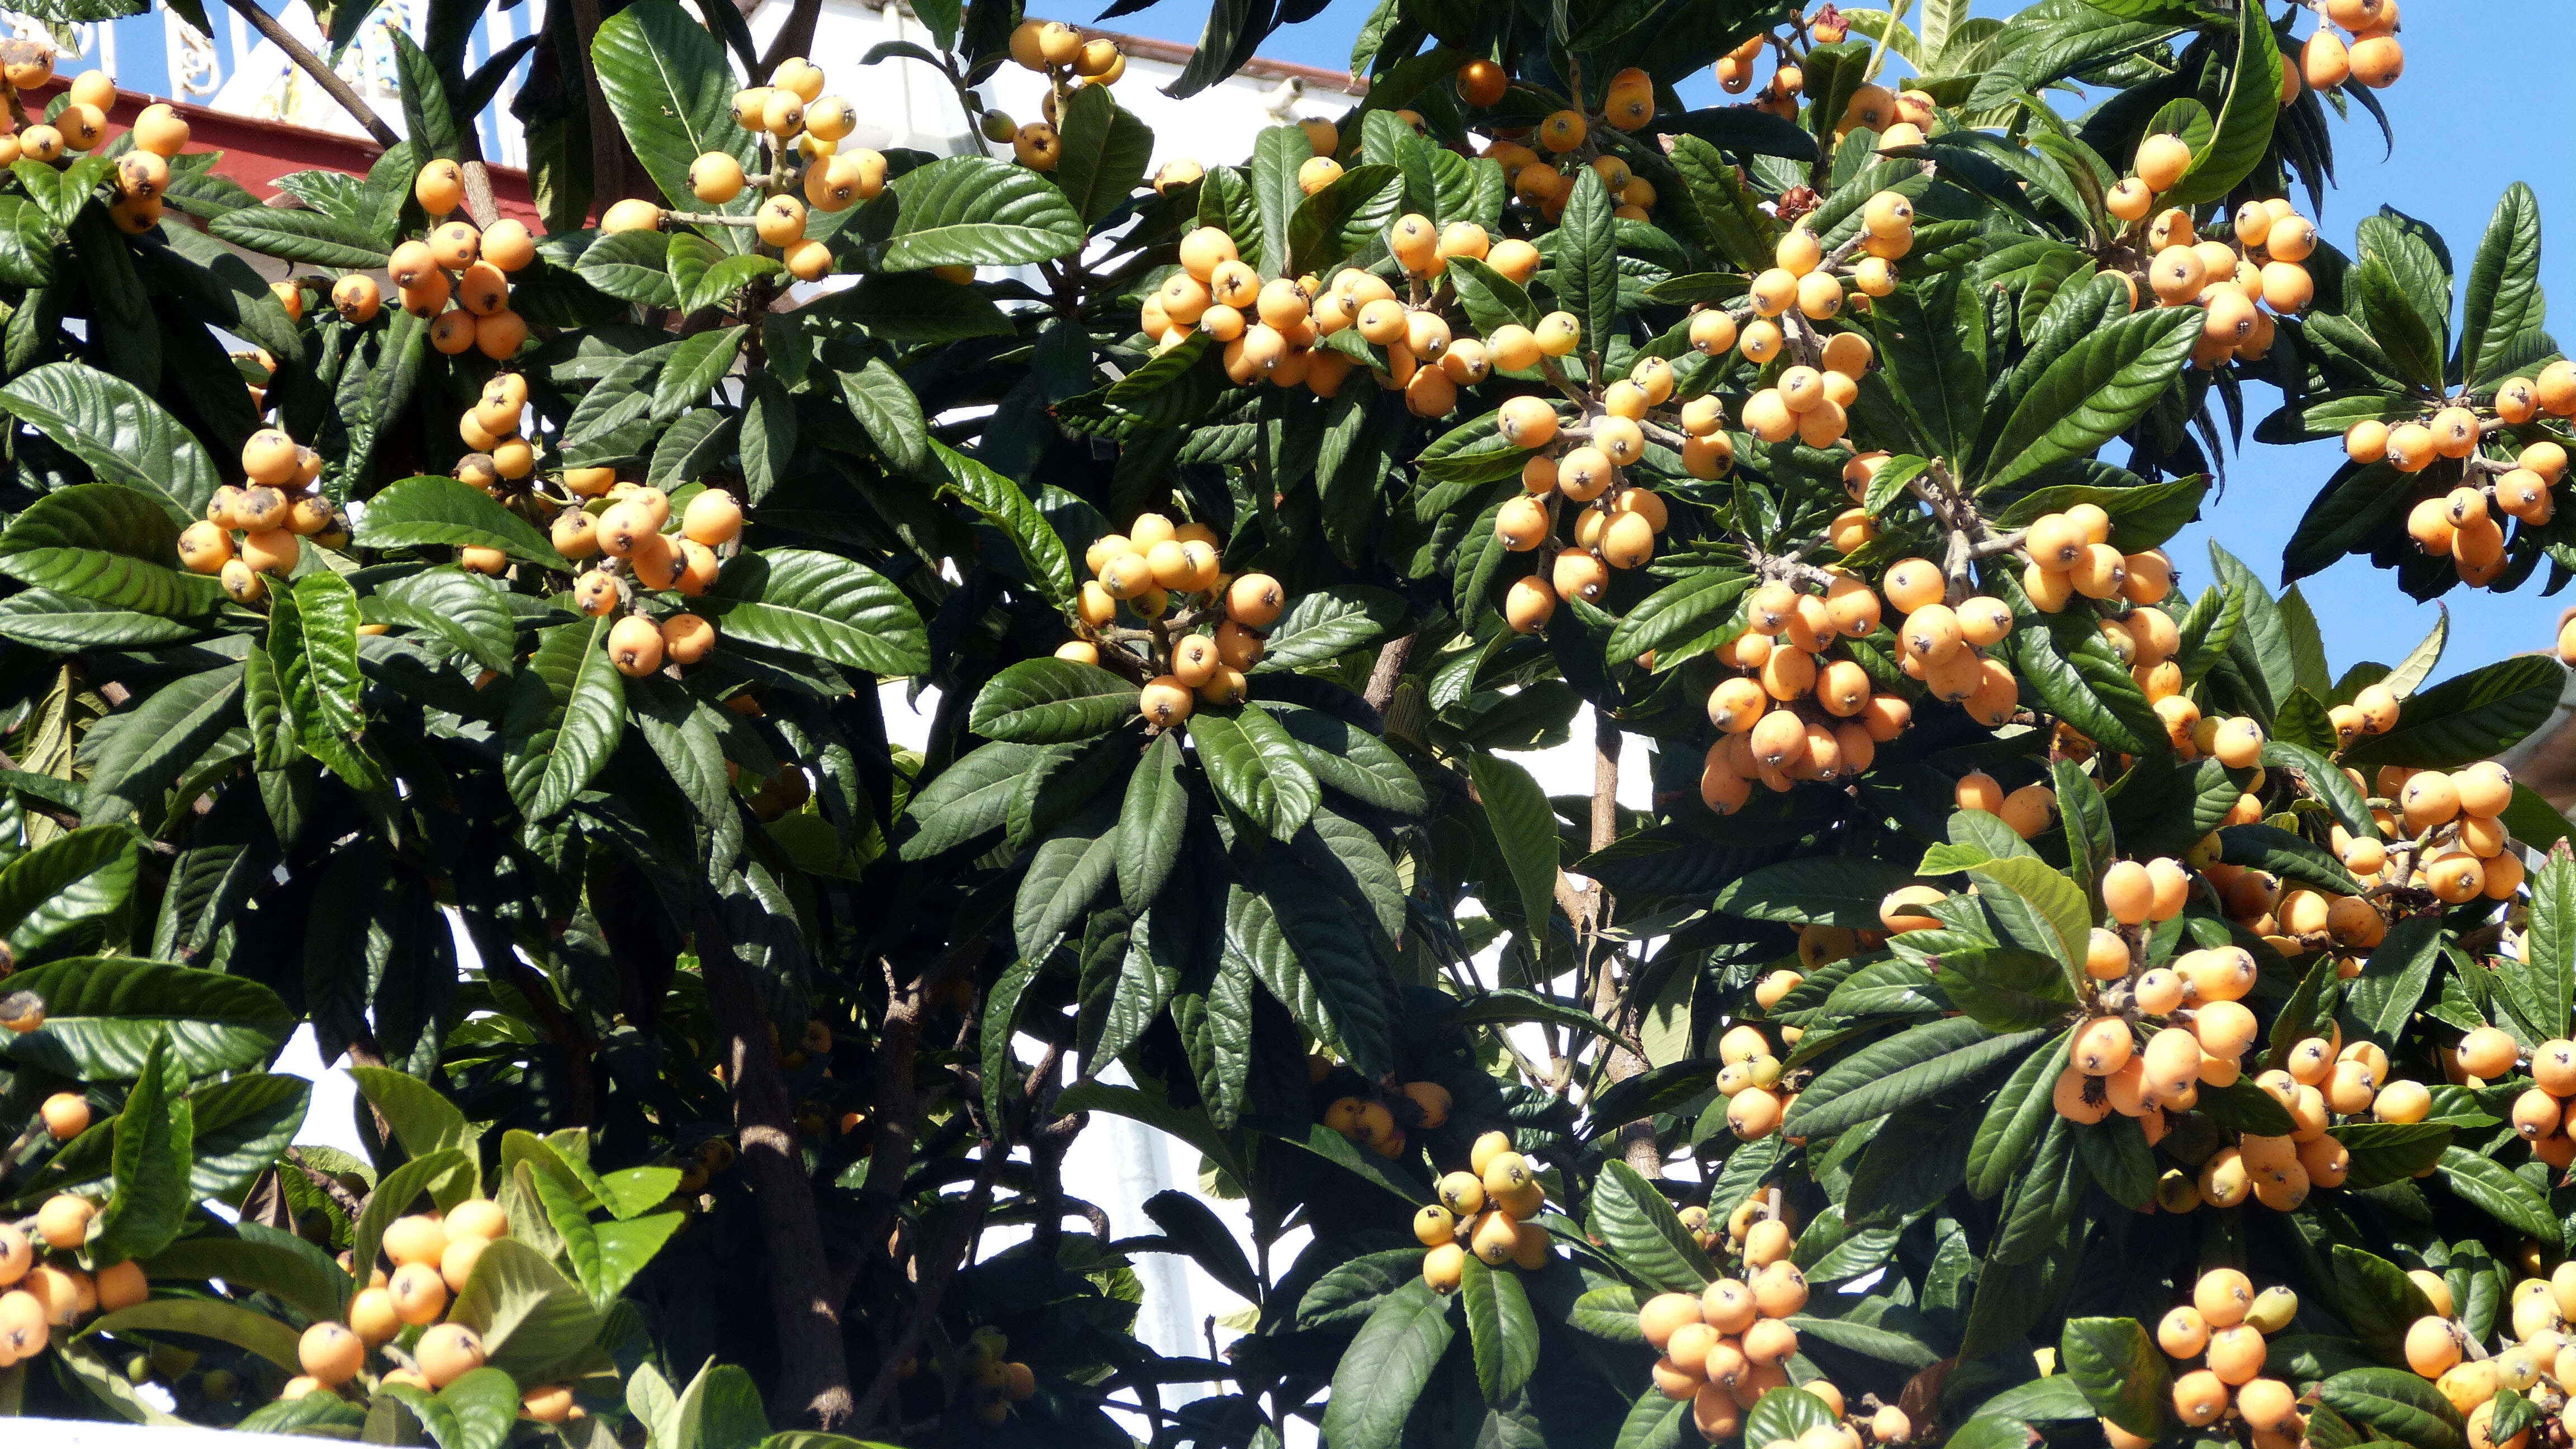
813 1388
1636 1139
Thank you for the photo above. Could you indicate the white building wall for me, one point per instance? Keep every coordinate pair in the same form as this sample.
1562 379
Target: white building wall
906 103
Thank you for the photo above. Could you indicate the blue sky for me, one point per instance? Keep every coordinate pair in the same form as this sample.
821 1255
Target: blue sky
2466 127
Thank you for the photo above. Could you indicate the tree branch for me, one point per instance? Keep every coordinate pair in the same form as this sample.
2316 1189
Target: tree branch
1389 671
323 75
934 1275
1636 1139
607 142
813 1388
794 38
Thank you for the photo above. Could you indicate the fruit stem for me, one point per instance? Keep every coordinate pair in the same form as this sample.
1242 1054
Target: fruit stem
1804 339
710 218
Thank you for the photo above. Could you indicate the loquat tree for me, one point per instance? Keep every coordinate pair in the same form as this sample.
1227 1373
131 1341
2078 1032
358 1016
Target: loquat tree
2042 999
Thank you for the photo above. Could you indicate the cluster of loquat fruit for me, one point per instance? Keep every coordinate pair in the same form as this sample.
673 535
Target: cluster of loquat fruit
998 1382
1579 483
1749 1069
1490 1209
2224 1327
1585 460
274 510
2465 523
1727 1346
457 278
1803 710
79 126
2532 1361
2373 57
2436 833
2540 1115
802 129
1381 1125
1057 51
1268 331
2029 810
1799 712
2258 261
1541 180
2071 557
2154 1036
142 175
2325 1083
1153 568
501 455
633 554
994 1381
42 1291
433 1254
1542 177
1808 400
1758 1206
1898 118
709 1160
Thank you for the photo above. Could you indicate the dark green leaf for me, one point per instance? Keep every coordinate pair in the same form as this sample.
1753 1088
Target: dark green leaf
1328 623
120 432
2103 383
2499 1192
154 1135
2245 118
2397 1404
566 712
102 1016
809 602
1309 952
1587 259
300 236
1105 153
2014 1121
666 81
886 407
1501 1329
2377 1300
2469 717
1833 891
1637 1224
976 211
1004 505
1524 827
1937 1057
1386 1368
2503 300
107 543
2120 1370
444 513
